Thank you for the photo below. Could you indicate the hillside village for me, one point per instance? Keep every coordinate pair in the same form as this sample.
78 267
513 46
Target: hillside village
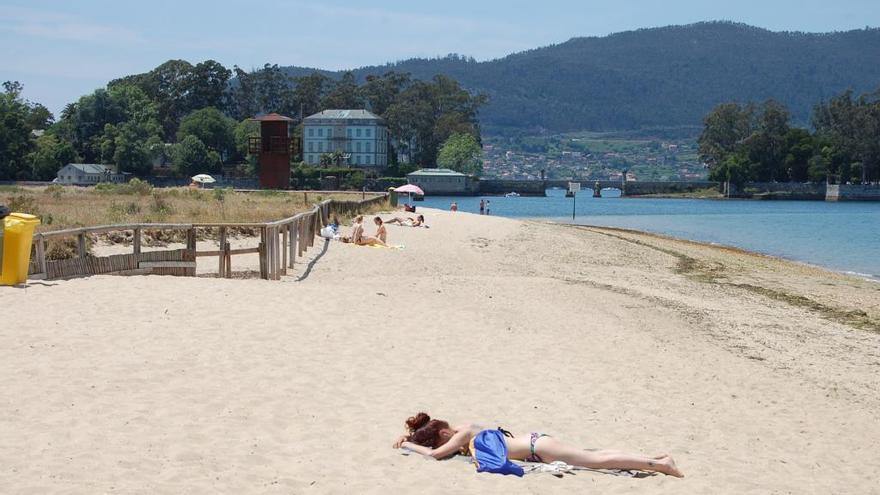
592 156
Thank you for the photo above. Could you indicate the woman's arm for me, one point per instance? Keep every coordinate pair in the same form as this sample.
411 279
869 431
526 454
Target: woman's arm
419 449
449 448
399 442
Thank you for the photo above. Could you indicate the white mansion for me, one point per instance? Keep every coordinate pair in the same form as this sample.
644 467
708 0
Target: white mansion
359 135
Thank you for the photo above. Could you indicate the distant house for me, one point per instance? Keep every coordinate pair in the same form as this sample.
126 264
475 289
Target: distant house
361 136
85 174
443 181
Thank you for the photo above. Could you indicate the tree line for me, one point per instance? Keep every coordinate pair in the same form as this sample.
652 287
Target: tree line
196 117
753 142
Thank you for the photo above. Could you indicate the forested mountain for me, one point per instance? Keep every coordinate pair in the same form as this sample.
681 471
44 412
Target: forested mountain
670 76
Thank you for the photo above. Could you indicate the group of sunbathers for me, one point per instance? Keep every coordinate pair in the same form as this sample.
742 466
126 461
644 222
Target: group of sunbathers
381 238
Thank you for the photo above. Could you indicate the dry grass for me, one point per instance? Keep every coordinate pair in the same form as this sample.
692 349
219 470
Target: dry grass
67 207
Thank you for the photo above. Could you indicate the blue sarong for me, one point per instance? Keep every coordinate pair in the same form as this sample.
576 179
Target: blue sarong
490 454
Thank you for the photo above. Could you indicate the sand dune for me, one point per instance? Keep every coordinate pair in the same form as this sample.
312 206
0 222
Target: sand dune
608 339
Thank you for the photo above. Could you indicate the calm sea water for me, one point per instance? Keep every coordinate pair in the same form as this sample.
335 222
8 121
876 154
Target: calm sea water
841 236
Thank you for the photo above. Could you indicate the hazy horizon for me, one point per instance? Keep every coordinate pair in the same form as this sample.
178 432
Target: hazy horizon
61 51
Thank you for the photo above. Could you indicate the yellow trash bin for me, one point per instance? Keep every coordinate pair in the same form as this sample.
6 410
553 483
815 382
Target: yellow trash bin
18 236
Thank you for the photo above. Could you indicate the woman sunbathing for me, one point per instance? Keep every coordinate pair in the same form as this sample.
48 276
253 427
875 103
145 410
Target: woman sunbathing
419 221
434 437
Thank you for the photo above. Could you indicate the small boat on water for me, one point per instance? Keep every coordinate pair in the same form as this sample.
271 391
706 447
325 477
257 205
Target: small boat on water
511 195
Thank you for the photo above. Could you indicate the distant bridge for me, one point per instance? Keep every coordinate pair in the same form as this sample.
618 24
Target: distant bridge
628 188
756 190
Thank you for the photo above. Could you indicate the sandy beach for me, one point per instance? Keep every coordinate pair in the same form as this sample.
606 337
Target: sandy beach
757 374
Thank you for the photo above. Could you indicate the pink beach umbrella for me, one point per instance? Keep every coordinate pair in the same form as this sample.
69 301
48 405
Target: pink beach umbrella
410 188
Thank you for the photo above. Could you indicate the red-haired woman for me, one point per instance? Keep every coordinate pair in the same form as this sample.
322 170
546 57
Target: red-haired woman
434 437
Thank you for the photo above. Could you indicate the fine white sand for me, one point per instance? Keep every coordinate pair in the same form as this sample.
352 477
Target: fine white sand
750 371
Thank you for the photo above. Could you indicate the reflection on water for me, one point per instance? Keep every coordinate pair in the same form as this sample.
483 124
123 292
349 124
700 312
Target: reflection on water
842 236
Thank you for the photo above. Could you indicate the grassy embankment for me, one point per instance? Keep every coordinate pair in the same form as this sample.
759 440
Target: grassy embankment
68 207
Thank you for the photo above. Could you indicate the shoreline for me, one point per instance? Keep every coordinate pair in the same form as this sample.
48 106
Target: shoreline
728 248
755 373
695 267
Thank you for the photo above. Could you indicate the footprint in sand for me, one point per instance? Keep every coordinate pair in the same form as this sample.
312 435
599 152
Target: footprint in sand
480 242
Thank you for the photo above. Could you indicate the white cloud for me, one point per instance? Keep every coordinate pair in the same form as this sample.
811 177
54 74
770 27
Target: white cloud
64 27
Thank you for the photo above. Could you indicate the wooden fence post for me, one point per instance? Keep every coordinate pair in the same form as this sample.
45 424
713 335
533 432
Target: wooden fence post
271 252
263 273
300 236
278 253
137 240
275 253
285 235
41 255
81 245
228 256
312 230
268 243
294 226
191 247
223 253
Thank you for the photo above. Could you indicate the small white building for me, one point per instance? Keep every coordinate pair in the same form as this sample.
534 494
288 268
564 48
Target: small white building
86 174
361 136
443 181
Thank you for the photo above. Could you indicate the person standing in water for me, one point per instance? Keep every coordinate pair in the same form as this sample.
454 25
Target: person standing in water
482 206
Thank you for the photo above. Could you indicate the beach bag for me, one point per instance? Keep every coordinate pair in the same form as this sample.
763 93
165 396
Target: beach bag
490 454
328 232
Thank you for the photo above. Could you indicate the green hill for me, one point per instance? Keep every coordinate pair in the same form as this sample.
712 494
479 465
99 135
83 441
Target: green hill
666 77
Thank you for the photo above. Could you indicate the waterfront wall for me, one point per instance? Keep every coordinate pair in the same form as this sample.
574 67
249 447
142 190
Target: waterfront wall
781 190
808 191
853 192
641 188
523 187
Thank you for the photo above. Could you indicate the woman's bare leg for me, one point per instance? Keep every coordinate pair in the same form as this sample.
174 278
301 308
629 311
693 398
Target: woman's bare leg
552 450
371 241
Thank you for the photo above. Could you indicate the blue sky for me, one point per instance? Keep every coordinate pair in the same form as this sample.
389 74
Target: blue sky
61 50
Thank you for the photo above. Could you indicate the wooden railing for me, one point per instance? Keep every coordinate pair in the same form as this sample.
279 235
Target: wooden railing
281 242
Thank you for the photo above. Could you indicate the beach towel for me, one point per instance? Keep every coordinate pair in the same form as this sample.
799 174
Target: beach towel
387 246
557 469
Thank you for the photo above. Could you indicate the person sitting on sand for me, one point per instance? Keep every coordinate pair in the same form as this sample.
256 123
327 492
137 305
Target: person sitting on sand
435 438
357 235
418 221
381 233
